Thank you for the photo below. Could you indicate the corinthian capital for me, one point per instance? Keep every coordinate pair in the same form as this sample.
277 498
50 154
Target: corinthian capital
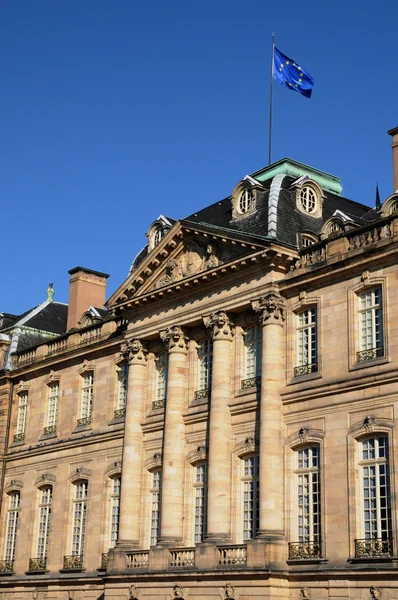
134 352
175 338
220 324
271 308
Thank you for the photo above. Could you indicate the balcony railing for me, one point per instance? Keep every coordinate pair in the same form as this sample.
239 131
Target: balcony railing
50 429
232 556
183 558
120 413
305 550
84 421
251 382
137 560
104 560
19 437
370 354
38 564
306 369
73 563
202 394
58 346
374 548
26 357
158 403
6 567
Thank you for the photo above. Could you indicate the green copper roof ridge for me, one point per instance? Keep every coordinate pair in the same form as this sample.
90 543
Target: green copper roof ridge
293 168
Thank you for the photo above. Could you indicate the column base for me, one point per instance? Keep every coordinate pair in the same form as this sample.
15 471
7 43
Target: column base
206 556
217 538
127 545
271 534
158 558
169 541
268 551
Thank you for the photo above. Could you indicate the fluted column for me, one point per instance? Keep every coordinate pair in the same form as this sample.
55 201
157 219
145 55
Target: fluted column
172 505
271 309
132 466
219 466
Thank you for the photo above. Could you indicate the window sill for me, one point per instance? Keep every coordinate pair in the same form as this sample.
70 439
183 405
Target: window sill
18 443
306 561
72 570
81 428
376 559
47 436
38 572
304 378
372 362
117 420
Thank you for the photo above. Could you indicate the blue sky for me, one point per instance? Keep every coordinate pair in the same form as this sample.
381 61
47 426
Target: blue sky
115 112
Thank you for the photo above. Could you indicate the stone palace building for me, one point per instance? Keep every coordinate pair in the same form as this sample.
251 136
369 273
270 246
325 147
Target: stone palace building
223 427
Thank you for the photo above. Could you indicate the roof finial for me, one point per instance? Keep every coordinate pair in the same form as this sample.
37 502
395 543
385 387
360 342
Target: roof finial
378 203
50 293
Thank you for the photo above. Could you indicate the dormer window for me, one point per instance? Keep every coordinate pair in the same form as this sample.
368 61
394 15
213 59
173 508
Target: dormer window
157 231
246 201
157 236
308 199
394 207
306 240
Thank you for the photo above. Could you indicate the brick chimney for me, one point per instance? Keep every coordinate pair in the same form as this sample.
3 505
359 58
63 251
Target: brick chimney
87 288
394 135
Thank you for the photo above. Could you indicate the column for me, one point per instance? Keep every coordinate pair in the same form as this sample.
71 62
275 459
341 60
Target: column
132 466
271 309
219 479
172 499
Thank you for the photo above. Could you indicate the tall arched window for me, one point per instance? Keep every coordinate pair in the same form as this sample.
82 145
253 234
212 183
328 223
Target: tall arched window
79 516
376 499
205 366
156 488
162 361
115 511
200 487
371 338
52 409
14 501
253 348
251 508
39 563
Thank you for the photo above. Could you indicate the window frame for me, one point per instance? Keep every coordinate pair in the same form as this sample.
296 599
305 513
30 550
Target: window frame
204 353
22 414
247 479
155 494
307 368
114 498
76 501
86 408
11 529
122 386
249 372
200 493
46 508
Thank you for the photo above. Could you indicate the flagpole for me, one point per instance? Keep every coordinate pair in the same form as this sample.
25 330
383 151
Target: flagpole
270 101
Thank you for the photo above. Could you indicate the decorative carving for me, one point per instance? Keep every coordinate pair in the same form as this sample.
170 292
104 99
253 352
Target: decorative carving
157 459
271 308
368 423
249 444
365 278
134 351
212 259
133 592
175 338
201 453
172 273
375 592
221 326
303 434
229 591
178 591
305 593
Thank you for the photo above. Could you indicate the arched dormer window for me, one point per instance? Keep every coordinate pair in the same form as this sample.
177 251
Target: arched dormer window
244 197
157 231
333 227
390 206
309 196
305 240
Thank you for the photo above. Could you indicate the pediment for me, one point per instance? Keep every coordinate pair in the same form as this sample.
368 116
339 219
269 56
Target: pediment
187 251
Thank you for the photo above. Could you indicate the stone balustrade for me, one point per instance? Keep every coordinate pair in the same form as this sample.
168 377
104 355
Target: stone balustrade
183 558
138 560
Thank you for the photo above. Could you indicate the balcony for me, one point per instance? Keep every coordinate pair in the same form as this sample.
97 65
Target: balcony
84 421
159 403
6 567
38 565
19 437
373 549
370 354
138 560
232 556
305 550
202 394
119 413
50 430
250 383
73 563
182 559
305 369
104 561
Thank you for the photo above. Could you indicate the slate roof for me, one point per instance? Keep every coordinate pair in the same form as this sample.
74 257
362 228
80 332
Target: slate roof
51 318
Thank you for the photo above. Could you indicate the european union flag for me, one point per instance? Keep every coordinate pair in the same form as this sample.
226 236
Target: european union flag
288 72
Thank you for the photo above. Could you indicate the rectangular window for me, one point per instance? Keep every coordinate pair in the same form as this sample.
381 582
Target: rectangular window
251 511
253 350
53 401
87 397
371 342
115 510
22 412
205 364
162 360
376 489
79 518
155 506
200 487
307 342
308 495
122 387
44 522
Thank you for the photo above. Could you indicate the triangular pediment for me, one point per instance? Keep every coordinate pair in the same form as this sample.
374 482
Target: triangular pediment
188 250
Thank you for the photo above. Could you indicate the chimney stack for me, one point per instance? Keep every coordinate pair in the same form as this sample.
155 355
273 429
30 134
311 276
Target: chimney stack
394 135
87 288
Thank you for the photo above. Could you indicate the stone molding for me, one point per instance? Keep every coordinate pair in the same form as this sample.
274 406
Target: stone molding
175 339
197 455
305 435
114 469
45 479
248 446
271 309
371 424
87 367
222 328
154 462
52 378
134 352
13 486
80 473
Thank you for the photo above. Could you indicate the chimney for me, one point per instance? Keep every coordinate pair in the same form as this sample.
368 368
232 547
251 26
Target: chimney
87 288
394 135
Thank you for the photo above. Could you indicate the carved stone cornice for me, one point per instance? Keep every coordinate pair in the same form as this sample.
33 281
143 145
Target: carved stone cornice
221 325
271 309
134 352
175 339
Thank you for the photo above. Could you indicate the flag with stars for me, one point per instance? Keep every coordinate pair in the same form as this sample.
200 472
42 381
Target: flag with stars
294 77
